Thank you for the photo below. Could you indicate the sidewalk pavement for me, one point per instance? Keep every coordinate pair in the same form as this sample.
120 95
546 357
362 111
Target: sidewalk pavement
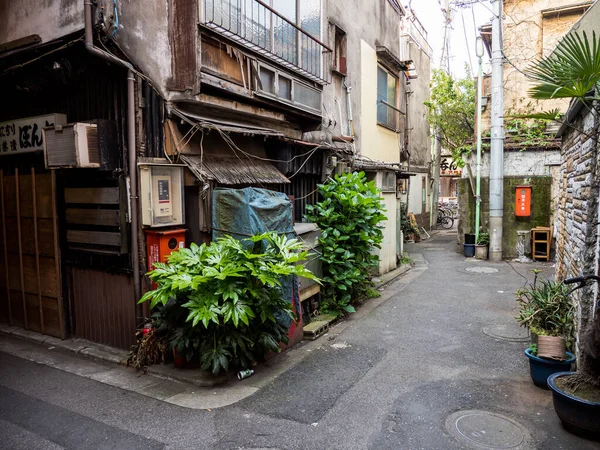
190 388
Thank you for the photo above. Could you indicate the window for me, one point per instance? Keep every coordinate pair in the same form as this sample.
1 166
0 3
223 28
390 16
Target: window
281 86
339 49
386 99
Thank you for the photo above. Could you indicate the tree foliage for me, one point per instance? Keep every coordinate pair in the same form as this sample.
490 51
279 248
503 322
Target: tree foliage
451 111
349 218
224 303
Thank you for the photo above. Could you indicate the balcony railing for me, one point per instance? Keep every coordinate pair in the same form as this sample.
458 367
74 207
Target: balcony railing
261 28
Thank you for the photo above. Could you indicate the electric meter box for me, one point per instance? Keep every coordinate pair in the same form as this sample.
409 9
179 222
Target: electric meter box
161 195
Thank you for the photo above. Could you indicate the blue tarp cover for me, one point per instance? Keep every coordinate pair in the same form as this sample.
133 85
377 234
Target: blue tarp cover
242 213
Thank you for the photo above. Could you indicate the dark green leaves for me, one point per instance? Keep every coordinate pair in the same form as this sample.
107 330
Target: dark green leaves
223 300
571 71
349 217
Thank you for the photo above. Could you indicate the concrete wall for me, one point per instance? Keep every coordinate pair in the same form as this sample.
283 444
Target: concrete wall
518 163
358 19
577 221
387 254
378 143
419 139
527 36
143 35
540 209
49 19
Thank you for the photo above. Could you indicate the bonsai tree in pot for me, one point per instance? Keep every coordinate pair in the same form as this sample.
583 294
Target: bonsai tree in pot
547 312
481 247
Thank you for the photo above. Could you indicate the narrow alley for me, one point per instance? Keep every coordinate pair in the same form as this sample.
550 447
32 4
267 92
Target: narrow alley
435 363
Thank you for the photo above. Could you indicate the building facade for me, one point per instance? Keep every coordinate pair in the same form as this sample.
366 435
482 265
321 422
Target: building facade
530 30
181 99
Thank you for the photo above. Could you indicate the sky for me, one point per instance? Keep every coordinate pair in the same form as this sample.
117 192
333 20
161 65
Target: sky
430 15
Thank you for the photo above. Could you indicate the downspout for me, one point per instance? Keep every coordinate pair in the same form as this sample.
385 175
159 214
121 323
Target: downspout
131 150
349 109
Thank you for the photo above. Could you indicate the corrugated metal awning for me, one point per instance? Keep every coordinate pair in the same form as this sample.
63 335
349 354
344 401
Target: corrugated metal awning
232 171
233 126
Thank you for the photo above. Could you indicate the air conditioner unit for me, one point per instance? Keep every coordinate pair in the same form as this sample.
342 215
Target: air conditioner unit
73 145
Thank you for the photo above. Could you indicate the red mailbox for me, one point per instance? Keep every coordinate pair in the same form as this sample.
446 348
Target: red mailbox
523 203
161 243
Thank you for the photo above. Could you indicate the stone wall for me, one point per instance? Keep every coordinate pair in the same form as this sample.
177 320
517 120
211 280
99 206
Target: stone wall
577 216
540 209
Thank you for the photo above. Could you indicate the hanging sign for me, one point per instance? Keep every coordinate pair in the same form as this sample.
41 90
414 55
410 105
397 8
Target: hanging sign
25 135
449 167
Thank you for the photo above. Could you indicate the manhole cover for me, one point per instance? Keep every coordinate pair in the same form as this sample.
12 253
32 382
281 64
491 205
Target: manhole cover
486 429
510 333
481 270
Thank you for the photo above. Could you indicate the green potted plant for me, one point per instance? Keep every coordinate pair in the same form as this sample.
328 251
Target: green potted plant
547 312
224 305
481 247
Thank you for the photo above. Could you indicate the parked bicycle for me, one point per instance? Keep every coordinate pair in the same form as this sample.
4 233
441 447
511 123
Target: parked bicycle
444 219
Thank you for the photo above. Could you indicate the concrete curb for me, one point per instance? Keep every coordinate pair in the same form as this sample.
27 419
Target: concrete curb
196 389
79 346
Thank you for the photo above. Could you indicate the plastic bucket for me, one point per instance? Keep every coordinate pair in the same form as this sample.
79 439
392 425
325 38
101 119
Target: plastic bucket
469 250
469 238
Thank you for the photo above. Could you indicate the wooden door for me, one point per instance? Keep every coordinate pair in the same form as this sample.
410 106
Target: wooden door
30 276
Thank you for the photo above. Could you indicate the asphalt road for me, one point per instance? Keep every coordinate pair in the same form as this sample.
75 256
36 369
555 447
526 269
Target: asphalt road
390 380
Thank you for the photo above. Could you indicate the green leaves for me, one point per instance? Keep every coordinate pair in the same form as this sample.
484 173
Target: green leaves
229 293
349 218
571 71
451 111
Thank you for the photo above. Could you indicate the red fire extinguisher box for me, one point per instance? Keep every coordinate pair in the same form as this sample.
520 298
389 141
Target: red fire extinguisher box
161 243
523 201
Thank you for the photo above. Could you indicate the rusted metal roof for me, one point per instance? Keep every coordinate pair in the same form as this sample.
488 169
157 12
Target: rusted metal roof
232 171
237 126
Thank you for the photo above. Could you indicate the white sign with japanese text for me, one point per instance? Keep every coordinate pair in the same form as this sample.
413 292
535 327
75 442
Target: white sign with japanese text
449 167
25 135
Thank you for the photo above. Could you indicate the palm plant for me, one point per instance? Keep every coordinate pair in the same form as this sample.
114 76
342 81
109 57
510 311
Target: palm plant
573 71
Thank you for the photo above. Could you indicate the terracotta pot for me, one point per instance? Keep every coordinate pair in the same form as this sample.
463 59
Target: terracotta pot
551 347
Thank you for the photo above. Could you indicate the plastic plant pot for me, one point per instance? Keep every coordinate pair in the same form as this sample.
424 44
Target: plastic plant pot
540 369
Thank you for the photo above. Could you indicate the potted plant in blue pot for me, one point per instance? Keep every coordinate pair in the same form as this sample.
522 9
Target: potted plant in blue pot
547 312
576 395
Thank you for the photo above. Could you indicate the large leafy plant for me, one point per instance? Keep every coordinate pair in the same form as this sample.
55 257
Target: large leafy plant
224 303
349 217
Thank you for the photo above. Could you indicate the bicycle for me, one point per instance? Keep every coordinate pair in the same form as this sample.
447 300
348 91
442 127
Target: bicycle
444 220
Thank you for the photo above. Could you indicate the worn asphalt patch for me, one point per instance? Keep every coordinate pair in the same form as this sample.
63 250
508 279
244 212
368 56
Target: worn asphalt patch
306 392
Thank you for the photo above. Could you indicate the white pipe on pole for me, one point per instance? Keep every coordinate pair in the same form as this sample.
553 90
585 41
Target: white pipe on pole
497 138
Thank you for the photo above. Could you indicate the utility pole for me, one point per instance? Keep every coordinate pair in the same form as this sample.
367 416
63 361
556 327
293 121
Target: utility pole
437 150
497 138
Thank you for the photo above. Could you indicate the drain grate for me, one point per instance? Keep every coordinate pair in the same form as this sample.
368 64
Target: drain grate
486 429
511 333
481 270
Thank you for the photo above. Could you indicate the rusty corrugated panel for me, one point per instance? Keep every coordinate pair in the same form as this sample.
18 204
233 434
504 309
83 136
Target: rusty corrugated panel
184 31
234 171
103 307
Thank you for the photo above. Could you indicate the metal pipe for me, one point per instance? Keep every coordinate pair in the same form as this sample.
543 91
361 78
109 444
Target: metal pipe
479 50
349 109
131 147
497 139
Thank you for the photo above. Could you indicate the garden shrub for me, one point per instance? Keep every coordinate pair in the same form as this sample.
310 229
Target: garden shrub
349 218
224 303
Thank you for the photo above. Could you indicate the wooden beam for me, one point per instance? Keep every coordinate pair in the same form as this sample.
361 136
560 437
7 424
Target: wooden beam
37 251
5 247
20 246
102 217
94 238
106 196
59 297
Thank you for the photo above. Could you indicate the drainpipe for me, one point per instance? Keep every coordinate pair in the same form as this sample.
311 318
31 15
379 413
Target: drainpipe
349 109
479 50
131 150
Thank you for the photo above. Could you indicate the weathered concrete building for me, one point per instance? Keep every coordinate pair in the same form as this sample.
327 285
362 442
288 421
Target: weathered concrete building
531 29
191 96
